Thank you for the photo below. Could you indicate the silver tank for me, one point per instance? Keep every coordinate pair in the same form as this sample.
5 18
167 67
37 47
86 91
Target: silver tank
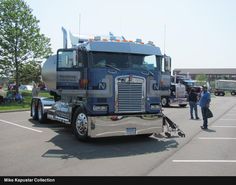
49 75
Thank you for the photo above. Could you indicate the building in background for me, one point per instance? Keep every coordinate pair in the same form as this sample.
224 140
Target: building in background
212 74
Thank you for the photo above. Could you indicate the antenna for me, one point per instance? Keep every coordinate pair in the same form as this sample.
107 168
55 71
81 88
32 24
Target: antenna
79 24
164 38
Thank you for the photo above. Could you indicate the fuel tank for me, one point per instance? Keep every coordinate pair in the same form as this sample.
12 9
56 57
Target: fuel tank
49 75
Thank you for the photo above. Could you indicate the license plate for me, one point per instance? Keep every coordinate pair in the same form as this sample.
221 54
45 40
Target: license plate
131 131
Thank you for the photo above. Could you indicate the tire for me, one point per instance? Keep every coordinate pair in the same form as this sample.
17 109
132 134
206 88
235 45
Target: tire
42 117
34 110
183 105
80 125
165 102
233 93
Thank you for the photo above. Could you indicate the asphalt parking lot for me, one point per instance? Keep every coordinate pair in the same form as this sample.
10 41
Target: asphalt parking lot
29 148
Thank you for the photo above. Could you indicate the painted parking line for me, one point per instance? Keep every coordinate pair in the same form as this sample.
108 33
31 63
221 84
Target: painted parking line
230 114
226 126
228 119
4 121
204 161
218 138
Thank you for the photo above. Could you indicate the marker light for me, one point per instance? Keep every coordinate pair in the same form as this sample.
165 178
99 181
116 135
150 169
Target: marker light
155 107
83 83
97 38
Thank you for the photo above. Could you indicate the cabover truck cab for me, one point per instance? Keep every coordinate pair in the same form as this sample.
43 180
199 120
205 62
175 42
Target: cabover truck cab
104 88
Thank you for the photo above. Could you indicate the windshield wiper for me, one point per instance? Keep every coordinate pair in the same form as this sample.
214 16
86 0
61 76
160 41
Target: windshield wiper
149 72
107 65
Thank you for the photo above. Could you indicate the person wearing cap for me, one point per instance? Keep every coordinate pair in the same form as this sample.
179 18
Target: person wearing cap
205 104
193 99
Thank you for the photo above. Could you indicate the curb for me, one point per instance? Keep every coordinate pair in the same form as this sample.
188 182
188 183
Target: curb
7 111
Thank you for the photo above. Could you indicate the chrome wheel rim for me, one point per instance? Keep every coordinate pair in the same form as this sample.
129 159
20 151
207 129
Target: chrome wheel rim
81 124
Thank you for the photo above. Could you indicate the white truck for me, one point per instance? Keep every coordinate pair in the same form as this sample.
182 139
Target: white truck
222 86
176 94
104 87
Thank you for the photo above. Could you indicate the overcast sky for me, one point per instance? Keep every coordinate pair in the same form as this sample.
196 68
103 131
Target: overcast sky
199 33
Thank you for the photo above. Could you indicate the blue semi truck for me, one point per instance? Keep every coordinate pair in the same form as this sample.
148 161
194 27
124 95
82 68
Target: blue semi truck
104 87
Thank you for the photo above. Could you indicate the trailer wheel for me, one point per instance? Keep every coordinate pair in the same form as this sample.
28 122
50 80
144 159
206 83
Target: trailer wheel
80 125
34 112
222 94
233 93
42 117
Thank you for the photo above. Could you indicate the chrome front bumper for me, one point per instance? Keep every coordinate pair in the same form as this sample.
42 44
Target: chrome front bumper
106 126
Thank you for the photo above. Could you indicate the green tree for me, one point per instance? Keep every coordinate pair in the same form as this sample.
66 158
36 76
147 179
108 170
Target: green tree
201 77
22 46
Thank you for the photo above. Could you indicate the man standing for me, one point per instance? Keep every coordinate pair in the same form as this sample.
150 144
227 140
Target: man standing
204 104
35 90
193 98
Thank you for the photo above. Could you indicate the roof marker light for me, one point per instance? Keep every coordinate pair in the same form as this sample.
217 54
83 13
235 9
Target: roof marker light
138 40
97 38
151 43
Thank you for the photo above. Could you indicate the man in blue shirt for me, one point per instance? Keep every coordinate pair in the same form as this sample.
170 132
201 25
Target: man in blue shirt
204 104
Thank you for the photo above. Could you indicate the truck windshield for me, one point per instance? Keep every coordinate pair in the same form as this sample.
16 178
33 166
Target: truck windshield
124 61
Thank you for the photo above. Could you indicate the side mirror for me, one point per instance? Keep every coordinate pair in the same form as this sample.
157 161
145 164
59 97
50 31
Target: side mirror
67 60
167 63
74 58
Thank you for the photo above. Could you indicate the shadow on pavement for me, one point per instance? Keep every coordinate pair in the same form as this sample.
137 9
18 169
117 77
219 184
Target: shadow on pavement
69 147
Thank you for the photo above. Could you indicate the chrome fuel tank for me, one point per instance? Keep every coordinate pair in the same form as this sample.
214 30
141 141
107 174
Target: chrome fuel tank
49 75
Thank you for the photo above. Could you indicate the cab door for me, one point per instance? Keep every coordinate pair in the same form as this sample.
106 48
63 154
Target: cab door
71 69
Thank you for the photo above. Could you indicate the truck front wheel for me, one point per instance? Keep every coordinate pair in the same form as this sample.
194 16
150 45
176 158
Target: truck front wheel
165 102
42 117
80 124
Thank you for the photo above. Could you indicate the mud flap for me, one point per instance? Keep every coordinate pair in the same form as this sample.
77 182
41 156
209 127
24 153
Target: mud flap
171 127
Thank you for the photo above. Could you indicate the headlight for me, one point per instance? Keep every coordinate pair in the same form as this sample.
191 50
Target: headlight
99 108
155 107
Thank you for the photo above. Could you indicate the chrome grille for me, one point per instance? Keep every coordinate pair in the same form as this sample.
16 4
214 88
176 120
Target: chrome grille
130 97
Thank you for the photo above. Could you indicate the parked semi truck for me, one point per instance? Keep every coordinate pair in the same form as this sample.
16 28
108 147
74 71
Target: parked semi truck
176 94
104 87
222 86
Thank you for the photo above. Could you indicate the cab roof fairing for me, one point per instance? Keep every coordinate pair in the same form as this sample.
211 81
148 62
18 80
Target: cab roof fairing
122 47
